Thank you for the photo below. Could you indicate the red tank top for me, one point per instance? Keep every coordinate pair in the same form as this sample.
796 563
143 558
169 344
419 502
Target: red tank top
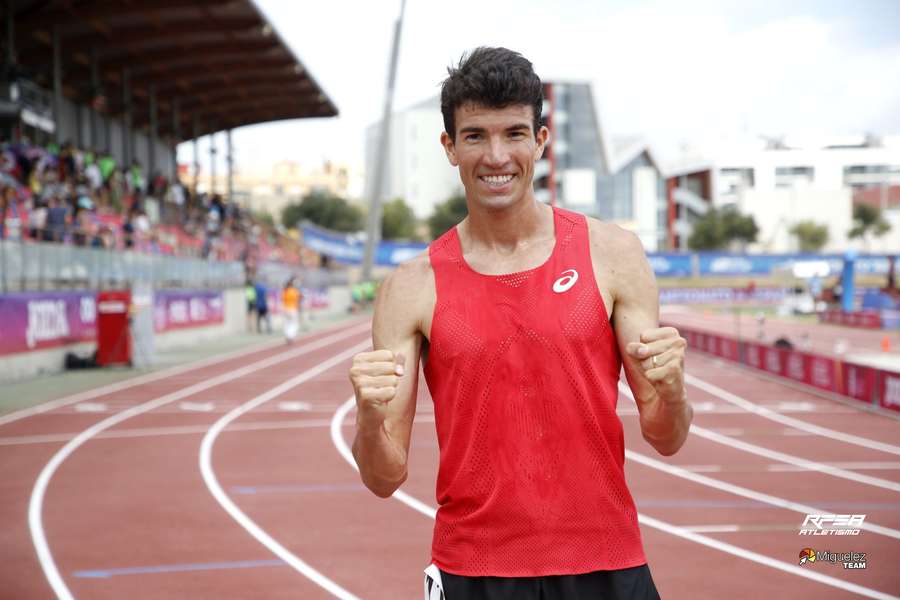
523 370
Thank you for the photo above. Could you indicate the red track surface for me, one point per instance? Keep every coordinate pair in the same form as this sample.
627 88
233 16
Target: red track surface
822 337
139 501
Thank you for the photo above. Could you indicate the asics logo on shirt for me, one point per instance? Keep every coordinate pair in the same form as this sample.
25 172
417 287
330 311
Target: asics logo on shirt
565 283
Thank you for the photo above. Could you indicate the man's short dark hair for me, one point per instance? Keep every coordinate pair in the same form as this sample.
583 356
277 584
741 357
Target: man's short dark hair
494 78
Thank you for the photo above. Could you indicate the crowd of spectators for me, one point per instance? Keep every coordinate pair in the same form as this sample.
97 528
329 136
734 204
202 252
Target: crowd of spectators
84 197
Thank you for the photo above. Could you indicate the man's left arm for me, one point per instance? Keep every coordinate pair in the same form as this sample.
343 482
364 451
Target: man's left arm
653 356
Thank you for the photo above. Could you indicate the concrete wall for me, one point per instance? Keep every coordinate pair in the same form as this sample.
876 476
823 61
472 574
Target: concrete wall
32 364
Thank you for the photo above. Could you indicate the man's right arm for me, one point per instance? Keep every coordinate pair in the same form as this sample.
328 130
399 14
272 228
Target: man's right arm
386 380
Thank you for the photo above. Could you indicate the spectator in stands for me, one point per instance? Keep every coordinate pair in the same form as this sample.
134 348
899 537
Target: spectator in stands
94 176
37 219
58 219
83 230
128 231
8 210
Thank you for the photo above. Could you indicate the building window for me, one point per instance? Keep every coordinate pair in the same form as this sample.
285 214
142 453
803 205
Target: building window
788 176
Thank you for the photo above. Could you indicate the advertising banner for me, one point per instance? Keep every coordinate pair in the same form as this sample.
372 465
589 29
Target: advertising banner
858 382
890 390
179 309
39 320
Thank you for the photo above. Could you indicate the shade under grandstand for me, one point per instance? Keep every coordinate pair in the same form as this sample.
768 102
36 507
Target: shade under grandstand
208 65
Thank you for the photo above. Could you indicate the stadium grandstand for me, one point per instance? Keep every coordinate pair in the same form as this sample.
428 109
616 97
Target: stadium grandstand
94 99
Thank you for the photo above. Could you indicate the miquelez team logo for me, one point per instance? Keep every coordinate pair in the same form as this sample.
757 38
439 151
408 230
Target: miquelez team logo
849 560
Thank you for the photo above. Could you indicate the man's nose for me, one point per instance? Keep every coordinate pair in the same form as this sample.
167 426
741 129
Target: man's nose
498 153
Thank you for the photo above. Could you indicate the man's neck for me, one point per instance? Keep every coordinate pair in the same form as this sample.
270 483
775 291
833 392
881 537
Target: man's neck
507 229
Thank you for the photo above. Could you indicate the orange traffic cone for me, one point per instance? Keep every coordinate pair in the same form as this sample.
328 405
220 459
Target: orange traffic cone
886 343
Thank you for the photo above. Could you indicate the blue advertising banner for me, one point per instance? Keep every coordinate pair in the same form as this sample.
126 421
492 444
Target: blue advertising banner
349 248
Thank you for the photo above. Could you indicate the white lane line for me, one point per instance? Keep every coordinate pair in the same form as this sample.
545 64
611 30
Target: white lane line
130 383
737 490
861 465
212 483
150 377
681 532
176 430
783 457
714 528
345 451
768 413
36 503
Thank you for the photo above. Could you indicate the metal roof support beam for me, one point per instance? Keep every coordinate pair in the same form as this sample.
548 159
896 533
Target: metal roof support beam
230 161
152 135
196 154
95 92
176 137
10 57
126 117
57 85
212 160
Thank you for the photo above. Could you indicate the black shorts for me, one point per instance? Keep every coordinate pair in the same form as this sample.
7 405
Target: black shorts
634 583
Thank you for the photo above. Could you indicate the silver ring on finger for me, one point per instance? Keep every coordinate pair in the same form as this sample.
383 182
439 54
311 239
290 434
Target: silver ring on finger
653 360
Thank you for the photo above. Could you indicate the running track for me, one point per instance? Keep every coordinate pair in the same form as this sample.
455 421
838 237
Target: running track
224 481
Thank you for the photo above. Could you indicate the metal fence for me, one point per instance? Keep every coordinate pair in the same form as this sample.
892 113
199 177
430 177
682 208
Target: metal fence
48 266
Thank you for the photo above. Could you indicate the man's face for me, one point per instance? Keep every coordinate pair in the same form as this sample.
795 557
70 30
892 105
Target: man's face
495 150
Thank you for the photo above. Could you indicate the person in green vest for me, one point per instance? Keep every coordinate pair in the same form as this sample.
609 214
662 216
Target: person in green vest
107 165
250 290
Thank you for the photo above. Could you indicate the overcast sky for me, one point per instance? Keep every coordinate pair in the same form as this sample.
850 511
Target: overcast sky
673 72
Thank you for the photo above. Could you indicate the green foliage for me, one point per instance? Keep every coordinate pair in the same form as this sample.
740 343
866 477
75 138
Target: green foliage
398 221
265 218
867 219
325 210
446 215
718 229
811 236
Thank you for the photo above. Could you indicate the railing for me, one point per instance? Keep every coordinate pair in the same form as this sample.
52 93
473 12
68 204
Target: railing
49 266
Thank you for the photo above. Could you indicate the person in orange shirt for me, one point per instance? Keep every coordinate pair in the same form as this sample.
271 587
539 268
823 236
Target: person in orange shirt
290 303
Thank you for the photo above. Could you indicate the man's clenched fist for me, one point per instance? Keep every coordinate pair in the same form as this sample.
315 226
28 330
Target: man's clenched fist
375 377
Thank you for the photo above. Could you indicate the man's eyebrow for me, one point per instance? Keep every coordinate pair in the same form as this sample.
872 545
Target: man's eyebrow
516 127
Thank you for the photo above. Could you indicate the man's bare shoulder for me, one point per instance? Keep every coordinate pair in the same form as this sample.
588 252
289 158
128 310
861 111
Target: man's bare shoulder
617 244
407 294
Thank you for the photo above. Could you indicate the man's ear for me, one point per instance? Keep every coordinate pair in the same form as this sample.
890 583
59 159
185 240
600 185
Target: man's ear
542 138
449 148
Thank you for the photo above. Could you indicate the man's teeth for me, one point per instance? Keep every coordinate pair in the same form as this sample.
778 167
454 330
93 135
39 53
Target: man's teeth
497 179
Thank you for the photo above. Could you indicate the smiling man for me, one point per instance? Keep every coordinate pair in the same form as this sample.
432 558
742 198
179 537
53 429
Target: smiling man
523 315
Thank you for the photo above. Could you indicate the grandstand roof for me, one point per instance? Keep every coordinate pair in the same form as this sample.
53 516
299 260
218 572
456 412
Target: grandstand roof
221 59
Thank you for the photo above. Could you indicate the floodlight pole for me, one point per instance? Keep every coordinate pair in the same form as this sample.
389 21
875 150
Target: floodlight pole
381 159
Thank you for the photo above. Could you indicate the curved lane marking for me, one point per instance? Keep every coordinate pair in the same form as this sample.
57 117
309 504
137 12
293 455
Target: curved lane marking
782 457
36 502
768 413
675 530
212 483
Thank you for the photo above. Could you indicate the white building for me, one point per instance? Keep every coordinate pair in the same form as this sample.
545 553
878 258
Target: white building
418 169
617 180
782 182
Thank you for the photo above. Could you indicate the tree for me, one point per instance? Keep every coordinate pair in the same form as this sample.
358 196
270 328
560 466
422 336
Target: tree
326 210
265 218
398 221
719 228
811 236
446 215
867 219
